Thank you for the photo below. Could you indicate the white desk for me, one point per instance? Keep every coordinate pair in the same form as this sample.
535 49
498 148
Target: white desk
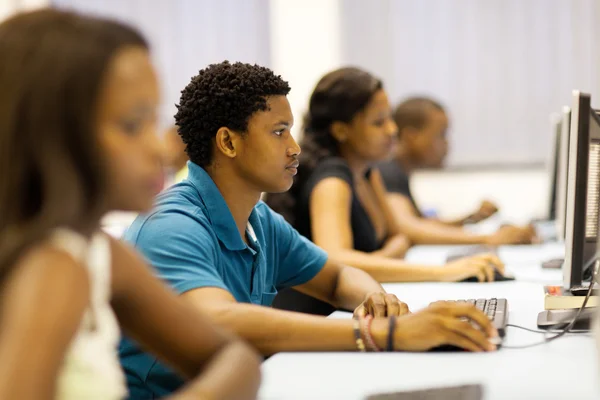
560 370
530 256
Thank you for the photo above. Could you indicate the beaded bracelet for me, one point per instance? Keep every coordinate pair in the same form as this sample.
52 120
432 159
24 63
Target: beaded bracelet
360 345
371 345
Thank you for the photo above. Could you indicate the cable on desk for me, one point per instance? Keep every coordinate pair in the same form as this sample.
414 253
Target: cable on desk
566 330
548 331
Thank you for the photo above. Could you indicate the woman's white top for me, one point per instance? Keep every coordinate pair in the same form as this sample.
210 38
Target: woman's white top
91 368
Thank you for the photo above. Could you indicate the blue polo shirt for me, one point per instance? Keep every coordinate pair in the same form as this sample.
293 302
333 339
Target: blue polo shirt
192 241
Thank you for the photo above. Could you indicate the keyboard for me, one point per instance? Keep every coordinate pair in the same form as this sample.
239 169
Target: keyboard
495 309
471 251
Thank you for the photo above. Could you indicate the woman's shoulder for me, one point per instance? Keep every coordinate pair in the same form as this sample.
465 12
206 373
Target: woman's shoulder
52 267
335 167
333 161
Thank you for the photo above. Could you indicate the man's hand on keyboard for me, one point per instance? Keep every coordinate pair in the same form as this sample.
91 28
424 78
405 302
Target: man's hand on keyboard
381 305
480 266
445 323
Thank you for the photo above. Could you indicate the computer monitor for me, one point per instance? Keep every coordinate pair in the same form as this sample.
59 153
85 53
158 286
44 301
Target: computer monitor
553 165
563 167
583 185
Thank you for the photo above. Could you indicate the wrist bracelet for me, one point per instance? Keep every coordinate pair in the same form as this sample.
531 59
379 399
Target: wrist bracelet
390 337
371 345
360 345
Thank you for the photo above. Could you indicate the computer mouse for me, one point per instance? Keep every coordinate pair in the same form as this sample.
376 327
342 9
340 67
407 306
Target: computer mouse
450 348
498 277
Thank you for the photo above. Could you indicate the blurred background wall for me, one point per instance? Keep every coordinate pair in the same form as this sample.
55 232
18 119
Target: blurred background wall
501 67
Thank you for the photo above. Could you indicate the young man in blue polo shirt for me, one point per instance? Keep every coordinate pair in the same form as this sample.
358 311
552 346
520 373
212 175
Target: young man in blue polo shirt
213 240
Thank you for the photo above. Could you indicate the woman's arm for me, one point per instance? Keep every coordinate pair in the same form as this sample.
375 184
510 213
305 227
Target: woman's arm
397 243
403 217
42 302
219 366
330 203
423 231
381 193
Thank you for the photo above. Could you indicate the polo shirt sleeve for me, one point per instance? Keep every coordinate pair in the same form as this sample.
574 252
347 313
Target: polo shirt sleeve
299 260
181 248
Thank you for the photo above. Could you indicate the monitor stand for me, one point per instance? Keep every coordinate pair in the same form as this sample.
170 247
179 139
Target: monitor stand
555 263
583 289
558 319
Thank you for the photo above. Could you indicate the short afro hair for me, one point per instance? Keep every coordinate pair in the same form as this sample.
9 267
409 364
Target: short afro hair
413 112
223 95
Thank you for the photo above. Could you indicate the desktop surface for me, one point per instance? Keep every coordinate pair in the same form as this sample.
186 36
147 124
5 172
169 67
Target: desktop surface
522 256
563 369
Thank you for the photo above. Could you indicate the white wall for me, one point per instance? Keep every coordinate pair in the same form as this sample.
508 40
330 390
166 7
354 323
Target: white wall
521 194
9 7
305 44
500 66
188 35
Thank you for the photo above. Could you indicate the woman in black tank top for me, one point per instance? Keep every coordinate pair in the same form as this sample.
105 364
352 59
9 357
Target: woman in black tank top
338 199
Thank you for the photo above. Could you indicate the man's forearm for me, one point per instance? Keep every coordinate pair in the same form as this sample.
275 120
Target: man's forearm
353 287
272 331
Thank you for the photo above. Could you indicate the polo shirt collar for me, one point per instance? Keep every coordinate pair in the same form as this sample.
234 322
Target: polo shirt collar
218 211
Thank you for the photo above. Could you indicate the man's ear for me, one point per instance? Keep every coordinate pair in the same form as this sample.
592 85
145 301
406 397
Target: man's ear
340 131
227 142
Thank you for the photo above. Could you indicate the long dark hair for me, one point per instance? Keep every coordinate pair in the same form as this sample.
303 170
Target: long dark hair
338 96
52 66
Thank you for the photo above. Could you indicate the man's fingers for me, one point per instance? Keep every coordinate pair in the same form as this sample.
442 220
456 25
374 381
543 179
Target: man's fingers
455 339
377 305
361 311
404 309
392 305
463 310
472 334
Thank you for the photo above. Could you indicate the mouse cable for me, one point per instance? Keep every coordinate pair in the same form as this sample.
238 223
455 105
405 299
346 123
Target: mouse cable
582 333
567 328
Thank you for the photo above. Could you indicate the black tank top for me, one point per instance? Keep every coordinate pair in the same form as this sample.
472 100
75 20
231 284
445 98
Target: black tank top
363 231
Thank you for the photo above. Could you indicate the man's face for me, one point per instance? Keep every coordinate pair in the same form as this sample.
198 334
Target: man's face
268 155
429 145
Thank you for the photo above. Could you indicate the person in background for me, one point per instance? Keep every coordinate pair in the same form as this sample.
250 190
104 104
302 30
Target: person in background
422 143
228 254
175 157
338 199
77 139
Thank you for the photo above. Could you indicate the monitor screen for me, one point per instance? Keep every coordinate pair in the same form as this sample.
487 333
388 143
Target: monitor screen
583 184
553 164
563 166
